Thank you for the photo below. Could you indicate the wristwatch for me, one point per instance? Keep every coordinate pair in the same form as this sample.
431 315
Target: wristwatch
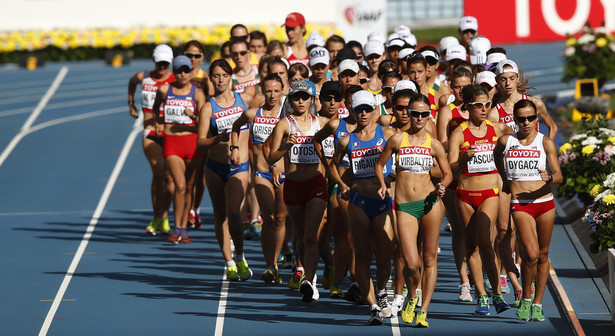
233 147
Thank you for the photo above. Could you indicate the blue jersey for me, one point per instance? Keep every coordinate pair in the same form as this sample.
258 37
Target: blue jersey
222 119
364 154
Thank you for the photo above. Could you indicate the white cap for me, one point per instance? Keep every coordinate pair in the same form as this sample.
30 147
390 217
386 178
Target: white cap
348 64
373 47
363 97
486 77
405 53
478 49
499 69
376 36
315 39
163 53
403 31
411 40
396 43
456 52
447 42
319 55
495 58
468 22
430 53
405 85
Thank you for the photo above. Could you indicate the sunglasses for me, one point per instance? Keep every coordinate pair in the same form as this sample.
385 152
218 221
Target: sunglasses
240 53
182 70
422 114
401 108
329 98
361 109
388 88
193 55
478 105
363 80
431 61
300 95
522 120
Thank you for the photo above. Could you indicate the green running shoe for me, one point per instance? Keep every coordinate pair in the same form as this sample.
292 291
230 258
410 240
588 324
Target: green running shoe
153 226
244 270
523 312
537 314
407 314
231 273
421 320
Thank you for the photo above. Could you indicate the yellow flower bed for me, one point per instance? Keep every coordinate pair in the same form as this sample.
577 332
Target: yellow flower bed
126 38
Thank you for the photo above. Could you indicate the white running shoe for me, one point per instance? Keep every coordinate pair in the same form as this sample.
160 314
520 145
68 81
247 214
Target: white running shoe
385 307
464 292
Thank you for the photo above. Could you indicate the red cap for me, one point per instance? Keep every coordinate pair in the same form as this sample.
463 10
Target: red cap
294 19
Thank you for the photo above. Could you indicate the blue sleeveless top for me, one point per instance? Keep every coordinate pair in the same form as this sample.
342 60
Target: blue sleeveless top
364 154
222 119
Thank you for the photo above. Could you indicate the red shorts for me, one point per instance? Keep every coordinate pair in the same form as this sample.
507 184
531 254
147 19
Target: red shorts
476 197
300 192
534 208
183 146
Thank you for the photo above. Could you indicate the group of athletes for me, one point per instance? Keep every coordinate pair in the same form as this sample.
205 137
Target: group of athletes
366 146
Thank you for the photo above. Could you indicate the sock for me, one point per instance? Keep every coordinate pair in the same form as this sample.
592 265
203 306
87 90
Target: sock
537 305
356 284
198 210
239 256
374 306
192 212
382 291
528 300
300 269
230 263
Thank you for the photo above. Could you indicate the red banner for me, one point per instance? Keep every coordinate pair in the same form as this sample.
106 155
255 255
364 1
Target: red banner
507 21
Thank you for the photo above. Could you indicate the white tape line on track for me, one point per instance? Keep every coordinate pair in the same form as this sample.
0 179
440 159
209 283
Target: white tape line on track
136 130
35 113
223 299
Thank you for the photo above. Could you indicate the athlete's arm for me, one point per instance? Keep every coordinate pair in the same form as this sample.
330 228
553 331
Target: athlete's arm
132 88
340 150
546 117
204 140
278 149
391 146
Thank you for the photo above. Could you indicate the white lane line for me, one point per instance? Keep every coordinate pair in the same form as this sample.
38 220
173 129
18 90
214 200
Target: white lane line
395 326
136 130
35 113
223 298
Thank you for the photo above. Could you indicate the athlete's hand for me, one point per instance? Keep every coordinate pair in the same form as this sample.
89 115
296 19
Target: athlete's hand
290 141
345 192
471 151
234 157
544 175
440 190
276 175
133 110
223 137
382 191
190 113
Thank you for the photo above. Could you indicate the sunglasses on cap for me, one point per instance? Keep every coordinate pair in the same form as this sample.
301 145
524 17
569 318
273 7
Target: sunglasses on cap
522 120
422 114
183 69
478 105
193 55
240 53
330 97
300 95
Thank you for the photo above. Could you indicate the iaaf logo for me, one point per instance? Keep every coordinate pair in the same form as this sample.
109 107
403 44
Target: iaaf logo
228 111
305 139
415 150
266 120
523 153
357 153
361 15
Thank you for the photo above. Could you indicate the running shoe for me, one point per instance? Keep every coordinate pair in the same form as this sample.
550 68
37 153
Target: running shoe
153 226
271 276
537 314
464 292
499 303
231 273
482 308
289 261
504 284
397 304
533 290
327 277
407 314
518 298
336 291
296 279
175 237
184 237
352 293
165 228
488 284
405 290
244 270
385 307
192 219
255 229
523 312
419 293
421 320
309 291
375 317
